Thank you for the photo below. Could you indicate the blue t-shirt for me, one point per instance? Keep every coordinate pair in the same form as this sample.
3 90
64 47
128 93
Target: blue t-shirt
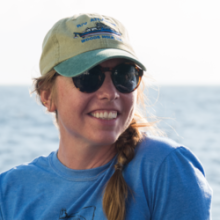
166 179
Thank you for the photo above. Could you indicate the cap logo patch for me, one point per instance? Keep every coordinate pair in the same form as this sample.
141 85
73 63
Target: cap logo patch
99 29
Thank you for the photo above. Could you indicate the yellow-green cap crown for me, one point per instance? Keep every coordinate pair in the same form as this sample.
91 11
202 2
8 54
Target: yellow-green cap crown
83 41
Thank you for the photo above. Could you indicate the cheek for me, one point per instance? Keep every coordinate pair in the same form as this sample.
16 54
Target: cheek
131 101
67 97
129 104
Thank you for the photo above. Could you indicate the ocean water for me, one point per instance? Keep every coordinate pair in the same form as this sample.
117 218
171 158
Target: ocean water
190 115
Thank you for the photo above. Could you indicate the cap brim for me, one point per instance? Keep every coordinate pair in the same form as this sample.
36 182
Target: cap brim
82 62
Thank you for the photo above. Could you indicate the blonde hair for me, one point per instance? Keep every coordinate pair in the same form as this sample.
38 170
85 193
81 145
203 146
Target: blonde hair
116 190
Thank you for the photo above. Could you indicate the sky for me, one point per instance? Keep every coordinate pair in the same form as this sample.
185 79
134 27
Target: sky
178 41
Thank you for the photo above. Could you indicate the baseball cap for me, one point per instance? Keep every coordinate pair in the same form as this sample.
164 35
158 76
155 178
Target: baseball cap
75 44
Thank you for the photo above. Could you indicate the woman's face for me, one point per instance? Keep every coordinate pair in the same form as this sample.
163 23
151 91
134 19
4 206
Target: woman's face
79 113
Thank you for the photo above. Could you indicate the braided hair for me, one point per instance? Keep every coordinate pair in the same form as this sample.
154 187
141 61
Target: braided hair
116 190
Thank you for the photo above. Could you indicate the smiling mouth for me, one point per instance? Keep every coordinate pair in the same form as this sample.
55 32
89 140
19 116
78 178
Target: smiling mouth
107 115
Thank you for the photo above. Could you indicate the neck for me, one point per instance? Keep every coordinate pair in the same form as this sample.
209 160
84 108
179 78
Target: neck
82 156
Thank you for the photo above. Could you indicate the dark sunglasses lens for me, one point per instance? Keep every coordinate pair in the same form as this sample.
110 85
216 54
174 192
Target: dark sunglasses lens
125 78
90 81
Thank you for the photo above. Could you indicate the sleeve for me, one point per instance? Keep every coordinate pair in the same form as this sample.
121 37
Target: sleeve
180 190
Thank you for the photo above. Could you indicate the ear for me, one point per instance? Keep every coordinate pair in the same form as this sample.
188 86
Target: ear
46 99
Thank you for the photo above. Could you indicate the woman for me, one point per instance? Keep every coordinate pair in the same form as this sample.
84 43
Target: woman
105 168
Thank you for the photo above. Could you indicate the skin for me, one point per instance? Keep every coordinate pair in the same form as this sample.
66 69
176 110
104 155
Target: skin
85 141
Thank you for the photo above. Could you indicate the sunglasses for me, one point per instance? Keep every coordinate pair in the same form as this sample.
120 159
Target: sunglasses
126 77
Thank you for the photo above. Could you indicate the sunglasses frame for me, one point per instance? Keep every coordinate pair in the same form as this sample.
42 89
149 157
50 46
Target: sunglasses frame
112 69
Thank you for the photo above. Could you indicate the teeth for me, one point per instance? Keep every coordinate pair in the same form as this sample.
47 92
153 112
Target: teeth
97 115
105 115
110 115
100 115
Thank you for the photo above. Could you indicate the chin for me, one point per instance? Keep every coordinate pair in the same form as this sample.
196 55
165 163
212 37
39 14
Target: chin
105 139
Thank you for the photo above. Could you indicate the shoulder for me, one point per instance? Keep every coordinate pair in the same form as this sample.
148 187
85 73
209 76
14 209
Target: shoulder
157 150
153 154
25 172
160 146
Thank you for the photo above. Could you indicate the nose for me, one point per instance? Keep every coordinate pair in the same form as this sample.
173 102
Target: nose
108 91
